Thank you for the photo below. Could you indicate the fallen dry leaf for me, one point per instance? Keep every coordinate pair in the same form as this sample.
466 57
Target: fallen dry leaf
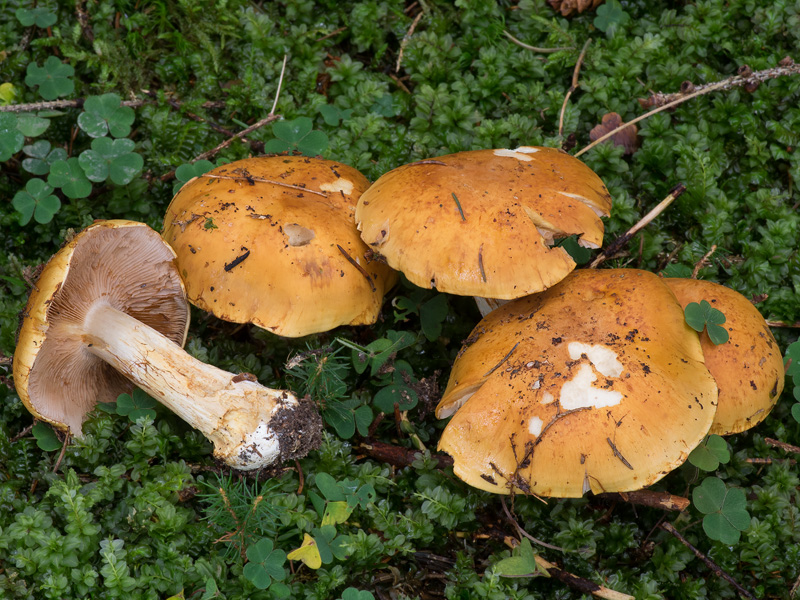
627 137
568 7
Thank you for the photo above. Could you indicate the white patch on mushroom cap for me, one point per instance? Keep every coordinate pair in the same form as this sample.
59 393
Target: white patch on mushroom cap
520 153
604 359
535 426
547 398
297 235
340 185
579 392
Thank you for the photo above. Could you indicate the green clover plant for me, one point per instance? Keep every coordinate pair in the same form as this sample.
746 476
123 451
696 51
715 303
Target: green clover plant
725 511
265 569
710 453
46 438
40 16
36 202
111 159
68 175
701 316
136 405
11 138
54 78
41 157
105 115
297 135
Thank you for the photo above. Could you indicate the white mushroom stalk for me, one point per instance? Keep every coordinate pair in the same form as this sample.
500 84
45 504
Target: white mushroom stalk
233 411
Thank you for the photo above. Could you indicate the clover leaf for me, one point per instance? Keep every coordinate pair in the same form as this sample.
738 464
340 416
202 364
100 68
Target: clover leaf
41 157
352 593
677 270
111 159
7 93
297 135
40 16
333 115
793 355
521 562
347 415
36 201
189 171
136 405
404 396
53 78
385 106
710 453
46 438
265 564
105 114
610 17
725 510
69 176
32 125
11 138
704 316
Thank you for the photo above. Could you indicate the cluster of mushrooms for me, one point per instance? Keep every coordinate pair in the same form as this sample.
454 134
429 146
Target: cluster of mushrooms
574 381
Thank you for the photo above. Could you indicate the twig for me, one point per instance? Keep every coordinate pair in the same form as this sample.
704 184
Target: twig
579 584
83 19
406 39
250 179
280 84
400 456
573 87
522 532
782 445
662 500
783 324
63 450
535 48
78 103
703 261
618 243
725 84
331 34
795 587
769 461
21 434
707 561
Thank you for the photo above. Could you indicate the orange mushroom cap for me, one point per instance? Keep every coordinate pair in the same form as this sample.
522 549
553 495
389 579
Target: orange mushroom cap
484 223
272 241
748 367
583 387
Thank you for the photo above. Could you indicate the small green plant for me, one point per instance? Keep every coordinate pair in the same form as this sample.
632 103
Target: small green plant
46 438
40 16
521 563
265 569
11 138
104 115
333 115
710 453
299 135
725 511
352 593
702 315
186 172
41 156
136 405
36 202
111 159
610 17
53 79
793 371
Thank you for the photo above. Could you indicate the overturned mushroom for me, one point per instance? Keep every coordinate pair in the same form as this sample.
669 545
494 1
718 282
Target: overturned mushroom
484 223
748 367
583 387
272 241
109 309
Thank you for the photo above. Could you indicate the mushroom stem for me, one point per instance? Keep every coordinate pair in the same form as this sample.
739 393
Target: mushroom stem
232 411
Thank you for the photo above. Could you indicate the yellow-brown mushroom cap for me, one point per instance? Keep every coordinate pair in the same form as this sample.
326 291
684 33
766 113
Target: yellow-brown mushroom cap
483 223
748 367
583 387
272 241
122 263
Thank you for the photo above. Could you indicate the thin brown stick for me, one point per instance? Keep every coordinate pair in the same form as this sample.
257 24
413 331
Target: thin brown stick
522 532
707 561
331 34
703 261
400 83
769 461
280 84
795 587
653 499
399 456
572 87
726 84
783 324
21 434
63 451
618 243
782 445
406 39
579 584
250 178
535 48
358 267
78 103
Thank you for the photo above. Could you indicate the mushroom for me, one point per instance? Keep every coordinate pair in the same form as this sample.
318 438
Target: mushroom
748 367
272 241
110 309
484 223
584 387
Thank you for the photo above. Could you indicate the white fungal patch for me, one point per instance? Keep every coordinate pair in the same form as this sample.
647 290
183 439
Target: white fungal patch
604 359
340 185
547 398
520 153
580 393
257 449
297 235
535 426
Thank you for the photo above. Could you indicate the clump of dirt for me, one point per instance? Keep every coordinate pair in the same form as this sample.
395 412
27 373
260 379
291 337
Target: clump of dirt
299 429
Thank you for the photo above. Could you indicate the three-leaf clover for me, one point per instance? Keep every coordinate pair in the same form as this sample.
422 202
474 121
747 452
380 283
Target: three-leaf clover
11 138
53 78
346 416
297 135
105 114
352 593
793 370
724 508
189 171
265 566
521 562
40 16
610 16
32 125
333 115
41 157
136 405
704 316
112 159
36 202
710 453
69 176
46 438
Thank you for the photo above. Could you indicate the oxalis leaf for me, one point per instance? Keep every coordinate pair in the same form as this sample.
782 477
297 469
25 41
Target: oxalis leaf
41 157
105 114
297 135
704 316
521 562
36 202
710 453
40 16
725 510
46 438
53 78
352 593
69 176
112 159
136 405
189 171
11 138
265 564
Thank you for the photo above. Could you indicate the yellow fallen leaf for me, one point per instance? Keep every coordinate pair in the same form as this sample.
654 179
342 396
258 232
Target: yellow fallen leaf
335 513
308 553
